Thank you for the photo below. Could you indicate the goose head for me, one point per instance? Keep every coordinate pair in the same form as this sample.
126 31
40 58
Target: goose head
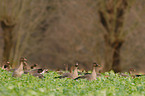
96 65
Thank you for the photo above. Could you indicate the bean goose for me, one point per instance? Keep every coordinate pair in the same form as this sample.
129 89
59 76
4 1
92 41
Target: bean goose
129 71
66 67
19 71
139 75
6 66
91 76
25 66
33 71
72 74
36 72
135 75
38 75
62 72
34 66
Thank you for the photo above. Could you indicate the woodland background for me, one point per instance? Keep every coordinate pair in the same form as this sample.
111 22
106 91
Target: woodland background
52 33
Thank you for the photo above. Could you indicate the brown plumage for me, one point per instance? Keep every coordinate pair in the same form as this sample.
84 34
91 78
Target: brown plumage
91 76
72 74
19 71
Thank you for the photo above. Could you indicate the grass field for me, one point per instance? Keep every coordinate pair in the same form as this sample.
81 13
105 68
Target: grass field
28 85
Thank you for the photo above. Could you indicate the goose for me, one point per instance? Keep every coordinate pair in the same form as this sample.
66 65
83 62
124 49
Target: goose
59 72
98 74
66 67
138 75
135 75
19 71
6 66
39 75
72 74
62 72
34 66
91 76
44 71
33 71
25 66
130 72
36 72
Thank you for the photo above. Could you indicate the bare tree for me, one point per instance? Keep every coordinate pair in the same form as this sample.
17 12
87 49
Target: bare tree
19 19
112 16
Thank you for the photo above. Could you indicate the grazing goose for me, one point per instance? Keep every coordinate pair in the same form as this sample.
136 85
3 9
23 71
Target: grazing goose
33 71
62 72
19 71
130 72
66 67
90 76
72 74
38 75
36 72
135 75
139 75
44 71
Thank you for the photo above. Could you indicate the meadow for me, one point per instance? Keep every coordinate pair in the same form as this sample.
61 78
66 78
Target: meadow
28 85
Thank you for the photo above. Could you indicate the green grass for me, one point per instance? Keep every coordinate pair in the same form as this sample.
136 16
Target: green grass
28 85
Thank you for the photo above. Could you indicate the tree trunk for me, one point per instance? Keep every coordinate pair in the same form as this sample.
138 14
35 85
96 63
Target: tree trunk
116 57
7 26
112 56
108 57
